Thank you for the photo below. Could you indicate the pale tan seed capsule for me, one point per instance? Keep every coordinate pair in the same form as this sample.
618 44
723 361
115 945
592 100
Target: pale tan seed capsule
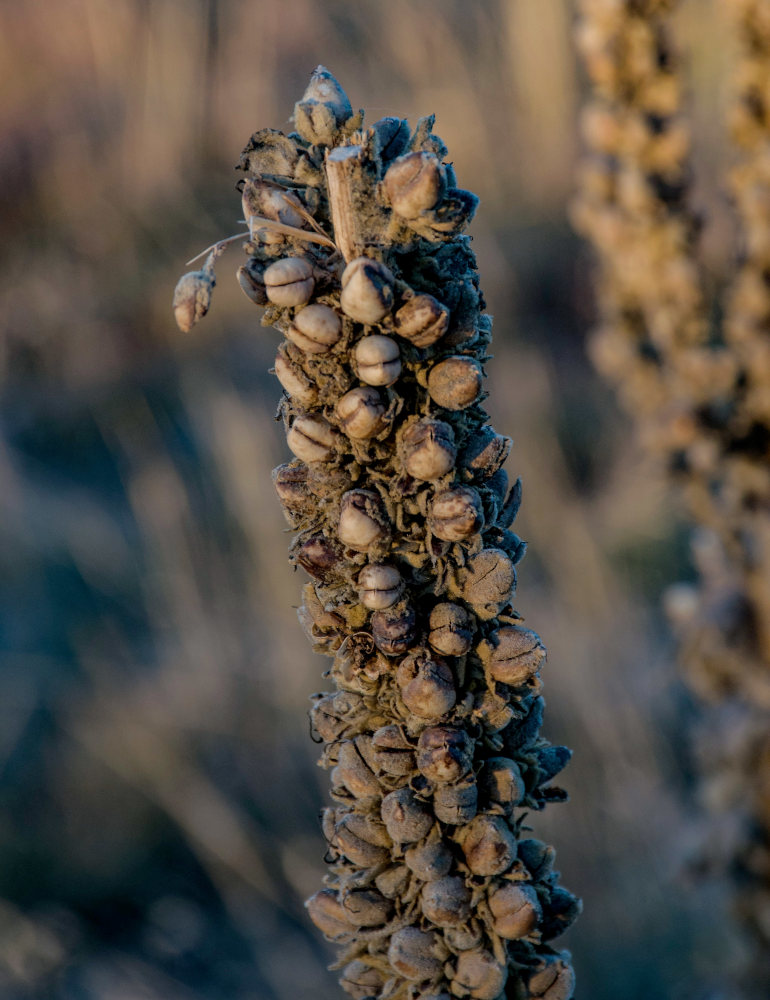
394 629
259 198
367 290
377 360
512 655
516 910
392 752
489 845
455 382
356 848
451 629
393 882
332 715
457 803
429 450
192 298
456 514
464 938
290 482
379 586
485 454
353 772
416 955
252 281
502 784
444 753
311 439
323 108
489 582
362 520
414 183
494 711
289 282
361 413
294 380
429 861
315 329
326 912
359 980
422 320
479 975
554 981
406 818
427 685
446 902
366 908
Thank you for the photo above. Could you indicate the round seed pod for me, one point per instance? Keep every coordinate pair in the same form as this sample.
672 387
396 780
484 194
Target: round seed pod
502 784
464 938
485 454
192 298
361 413
479 975
294 380
323 108
455 382
311 439
394 629
366 908
377 360
259 198
512 655
352 837
290 482
490 579
393 882
554 980
353 772
406 818
428 449
561 910
289 282
456 514
360 981
414 183
451 629
318 556
367 290
252 281
457 803
427 685
538 857
489 845
379 586
326 912
416 955
429 861
422 320
446 902
315 329
362 520
444 753
516 910
333 714
392 752
493 711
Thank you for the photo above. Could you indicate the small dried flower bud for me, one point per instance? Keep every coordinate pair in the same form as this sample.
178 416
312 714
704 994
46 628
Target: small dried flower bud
362 520
379 586
360 981
326 912
367 290
422 320
289 282
377 360
490 579
290 482
417 955
427 685
489 845
444 753
555 980
406 818
456 514
414 183
311 439
479 975
446 902
316 329
455 382
318 556
192 298
429 450
457 803
356 838
294 380
392 752
502 784
538 857
366 908
393 136
429 861
251 278
361 413
516 910
323 108
394 629
333 714
451 629
485 454
354 773
512 655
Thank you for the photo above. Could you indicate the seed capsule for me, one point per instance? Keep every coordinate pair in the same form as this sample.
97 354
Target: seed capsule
315 329
444 753
394 629
427 685
502 784
451 629
333 714
358 839
516 910
485 454
251 278
326 912
455 382
538 857
416 955
561 910
259 198
490 579
429 450
323 108
361 413
457 803
353 772
377 360
366 908
555 980
456 514
392 752
362 520
479 975
290 482
513 655
494 711
465 938
379 586
422 320
318 556
311 439
429 861
367 290
446 902
406 818
414 183
393 135
289 282
522 733
294 380
192 298
360 981
393 882
489 845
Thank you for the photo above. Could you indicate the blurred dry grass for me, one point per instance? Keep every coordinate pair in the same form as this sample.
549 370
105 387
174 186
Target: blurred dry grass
159 797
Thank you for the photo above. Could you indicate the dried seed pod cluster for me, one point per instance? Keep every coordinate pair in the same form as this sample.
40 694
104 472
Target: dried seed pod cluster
402 517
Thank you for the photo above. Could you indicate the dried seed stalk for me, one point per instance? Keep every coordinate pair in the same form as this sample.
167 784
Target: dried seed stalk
402 515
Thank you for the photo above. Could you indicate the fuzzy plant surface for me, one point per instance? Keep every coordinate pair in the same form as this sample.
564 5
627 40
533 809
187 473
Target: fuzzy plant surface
402 515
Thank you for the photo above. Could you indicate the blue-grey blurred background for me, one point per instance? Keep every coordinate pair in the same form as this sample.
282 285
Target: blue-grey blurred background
159 797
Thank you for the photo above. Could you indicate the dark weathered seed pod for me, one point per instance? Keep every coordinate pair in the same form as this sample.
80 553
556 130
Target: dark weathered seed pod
522 732
456 514
360 981
361 413
251 278
192 298
512 655
446 902
352 770
358 838
333 714
362 520
489 582
479 975
315 329
393 136
417 955
323 108
394 629
457 803
377 360
289 282
444 753
515 908
422 320
493 711
502 784
489 845
393 881
430 860
414 183
485 453
451 629
428 449
554 980
367 290
318 556
312 439
366 908
392 752
379 586
406 818
290 482
455 382
538 857
427 685
326 912
560 911
294 380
